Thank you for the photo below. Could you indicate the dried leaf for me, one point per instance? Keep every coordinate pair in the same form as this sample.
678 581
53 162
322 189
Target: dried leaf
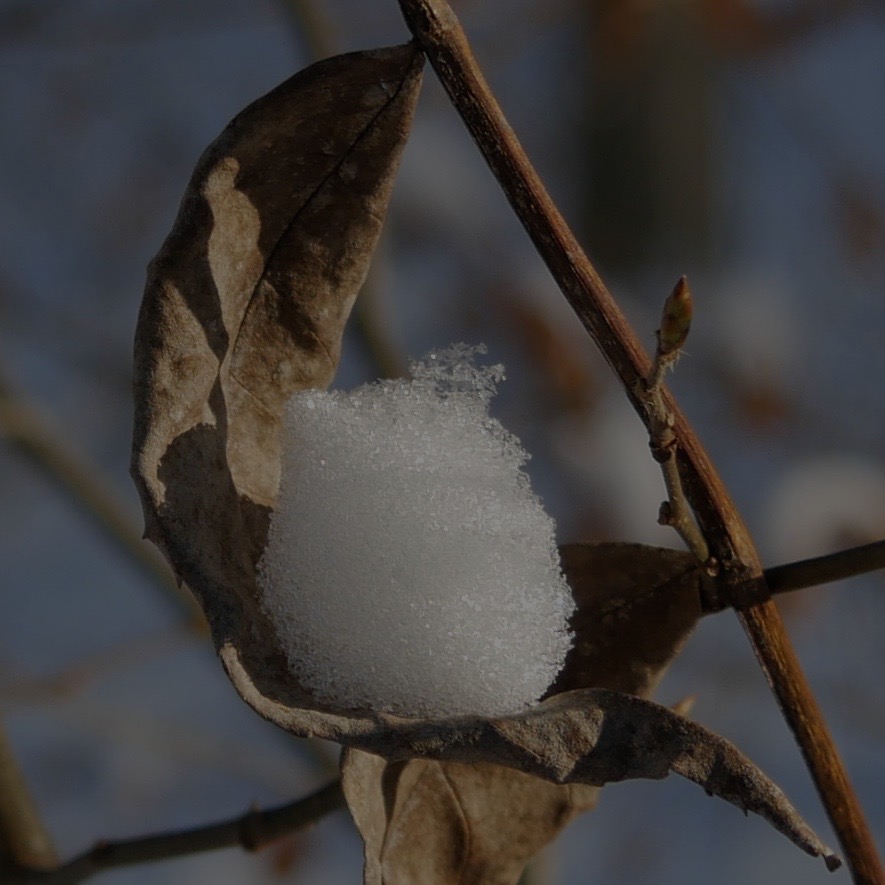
244 305
635 607
446 822
591 736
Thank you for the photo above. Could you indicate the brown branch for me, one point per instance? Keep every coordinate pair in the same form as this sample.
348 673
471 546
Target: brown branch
436 28
813 572
251 831
825 569
23 838
675 511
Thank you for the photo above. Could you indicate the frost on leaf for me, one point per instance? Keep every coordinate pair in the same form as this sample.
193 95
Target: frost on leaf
245 305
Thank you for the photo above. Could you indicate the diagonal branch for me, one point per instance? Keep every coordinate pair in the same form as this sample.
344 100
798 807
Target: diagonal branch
825 569
251 831
439 33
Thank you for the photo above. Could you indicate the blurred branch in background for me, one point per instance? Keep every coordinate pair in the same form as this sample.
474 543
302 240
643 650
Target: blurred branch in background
100 665
536 871
313 26
647 120
252 831
651 80
23 426
24 840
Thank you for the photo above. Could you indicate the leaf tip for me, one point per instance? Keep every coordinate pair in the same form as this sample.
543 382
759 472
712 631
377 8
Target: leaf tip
833 861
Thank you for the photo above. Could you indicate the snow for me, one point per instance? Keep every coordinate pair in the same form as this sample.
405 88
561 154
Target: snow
410 568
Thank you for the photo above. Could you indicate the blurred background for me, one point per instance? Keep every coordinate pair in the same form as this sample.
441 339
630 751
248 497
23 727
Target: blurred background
737 141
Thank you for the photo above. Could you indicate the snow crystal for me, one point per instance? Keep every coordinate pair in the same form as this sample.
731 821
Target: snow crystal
410 568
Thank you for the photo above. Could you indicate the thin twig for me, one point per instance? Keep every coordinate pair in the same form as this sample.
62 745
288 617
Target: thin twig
813 572
825 569
251 831
675 511
22 425
24 841
438 32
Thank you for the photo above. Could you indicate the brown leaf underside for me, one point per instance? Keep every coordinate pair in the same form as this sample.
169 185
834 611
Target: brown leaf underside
245 304
445 822
635 606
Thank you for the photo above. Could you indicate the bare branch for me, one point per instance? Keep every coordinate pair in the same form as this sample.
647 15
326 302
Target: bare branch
437 30
251 831
675 511
825 569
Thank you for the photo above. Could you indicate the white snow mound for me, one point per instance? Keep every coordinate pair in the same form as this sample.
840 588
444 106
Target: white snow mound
410 569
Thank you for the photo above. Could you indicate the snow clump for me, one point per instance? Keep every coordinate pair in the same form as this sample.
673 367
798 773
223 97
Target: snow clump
410 569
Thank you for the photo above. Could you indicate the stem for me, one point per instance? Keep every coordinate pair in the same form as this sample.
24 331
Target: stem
251 831
436 28
825 569
675 511
814 572
774 652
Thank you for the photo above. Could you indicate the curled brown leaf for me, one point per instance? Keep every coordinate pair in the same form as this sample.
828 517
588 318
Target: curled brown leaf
245 304
591 737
